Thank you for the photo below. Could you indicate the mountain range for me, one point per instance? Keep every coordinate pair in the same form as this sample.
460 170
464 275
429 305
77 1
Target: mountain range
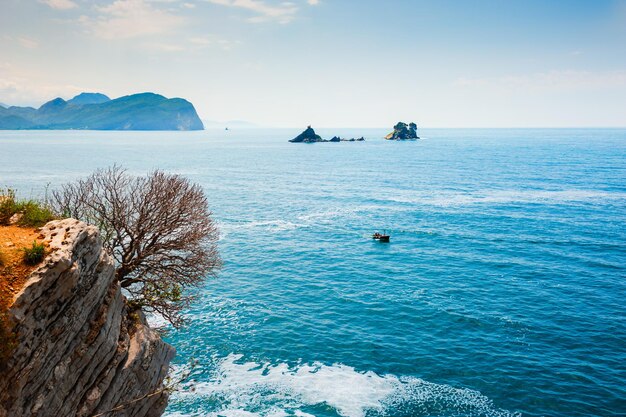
96 111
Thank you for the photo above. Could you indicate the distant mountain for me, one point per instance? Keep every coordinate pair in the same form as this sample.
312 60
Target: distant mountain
95 111
88 98
3 105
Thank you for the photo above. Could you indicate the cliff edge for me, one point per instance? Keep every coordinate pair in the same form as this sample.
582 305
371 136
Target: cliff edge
80 350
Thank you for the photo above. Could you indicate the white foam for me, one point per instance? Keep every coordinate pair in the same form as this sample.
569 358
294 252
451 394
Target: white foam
299 221
507 196
263 389
268 225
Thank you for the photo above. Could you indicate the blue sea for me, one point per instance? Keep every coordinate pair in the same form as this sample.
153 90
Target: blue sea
501 293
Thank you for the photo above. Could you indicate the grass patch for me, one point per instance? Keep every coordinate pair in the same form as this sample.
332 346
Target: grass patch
34 254
8 205
33 213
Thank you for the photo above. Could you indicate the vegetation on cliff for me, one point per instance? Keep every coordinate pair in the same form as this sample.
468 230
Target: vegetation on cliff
15 243
20 250
158 228
81 311
23 212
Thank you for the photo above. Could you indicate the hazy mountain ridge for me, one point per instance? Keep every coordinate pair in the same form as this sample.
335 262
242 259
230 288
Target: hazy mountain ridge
95 111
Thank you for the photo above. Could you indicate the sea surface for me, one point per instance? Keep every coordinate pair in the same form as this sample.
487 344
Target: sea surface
501 293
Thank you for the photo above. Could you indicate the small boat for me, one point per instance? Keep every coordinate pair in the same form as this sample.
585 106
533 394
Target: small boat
381 237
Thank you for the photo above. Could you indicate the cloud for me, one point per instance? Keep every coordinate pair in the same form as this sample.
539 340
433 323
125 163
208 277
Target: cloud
164 47
213 41
313 2
23 41
124 19
565 80
283 12
192 44
28 87
60 4
28 42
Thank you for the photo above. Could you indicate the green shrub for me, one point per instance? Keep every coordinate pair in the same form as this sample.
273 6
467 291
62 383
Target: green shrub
34 213
34 254
8 206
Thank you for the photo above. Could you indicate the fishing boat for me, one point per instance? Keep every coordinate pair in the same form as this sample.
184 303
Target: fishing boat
381 237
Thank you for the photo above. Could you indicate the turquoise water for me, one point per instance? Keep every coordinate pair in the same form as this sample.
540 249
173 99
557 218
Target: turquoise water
501 292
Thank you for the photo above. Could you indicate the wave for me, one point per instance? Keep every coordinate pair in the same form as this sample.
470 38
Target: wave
317 219
508 197
252 389
268 225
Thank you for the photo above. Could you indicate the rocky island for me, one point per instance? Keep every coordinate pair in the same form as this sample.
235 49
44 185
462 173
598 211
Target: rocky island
309 136
95 111
402 131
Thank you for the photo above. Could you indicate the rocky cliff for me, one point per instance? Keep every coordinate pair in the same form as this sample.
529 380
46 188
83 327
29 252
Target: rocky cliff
80 351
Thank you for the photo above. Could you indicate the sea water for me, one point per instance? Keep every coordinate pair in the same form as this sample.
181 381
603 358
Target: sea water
501 293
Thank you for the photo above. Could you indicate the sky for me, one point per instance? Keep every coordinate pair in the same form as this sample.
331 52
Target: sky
329 63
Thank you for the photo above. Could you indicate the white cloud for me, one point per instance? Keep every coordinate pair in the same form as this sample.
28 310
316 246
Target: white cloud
313 2
60 4
27 87
566 80
164 47
283 12
125 19
28 42
213 41
22 40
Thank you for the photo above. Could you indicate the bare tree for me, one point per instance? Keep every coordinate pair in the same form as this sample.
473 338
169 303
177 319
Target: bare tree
158 228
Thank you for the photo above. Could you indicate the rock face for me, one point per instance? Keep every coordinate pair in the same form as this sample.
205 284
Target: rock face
402 131
308 136
80 350
95 111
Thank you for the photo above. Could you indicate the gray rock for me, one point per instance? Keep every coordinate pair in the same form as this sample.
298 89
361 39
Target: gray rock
80 352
